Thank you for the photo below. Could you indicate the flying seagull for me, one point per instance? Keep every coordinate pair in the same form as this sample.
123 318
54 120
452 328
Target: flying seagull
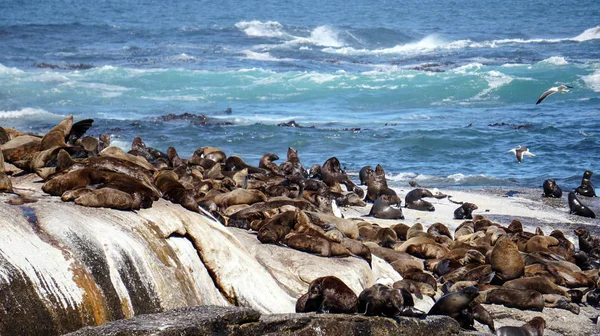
560 88
519 152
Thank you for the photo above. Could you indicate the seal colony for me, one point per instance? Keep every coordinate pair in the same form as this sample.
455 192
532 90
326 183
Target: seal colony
481 262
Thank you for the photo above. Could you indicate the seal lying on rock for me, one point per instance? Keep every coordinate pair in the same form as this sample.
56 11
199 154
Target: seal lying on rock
452 304
328 294
465 211
578 208
535 327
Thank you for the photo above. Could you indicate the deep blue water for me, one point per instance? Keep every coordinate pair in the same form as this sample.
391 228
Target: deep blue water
395 83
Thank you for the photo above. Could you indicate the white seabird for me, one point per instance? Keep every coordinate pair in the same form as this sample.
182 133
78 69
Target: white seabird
560 88
519 152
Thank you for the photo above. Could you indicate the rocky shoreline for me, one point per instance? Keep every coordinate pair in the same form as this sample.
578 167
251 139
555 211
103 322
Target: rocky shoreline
206 233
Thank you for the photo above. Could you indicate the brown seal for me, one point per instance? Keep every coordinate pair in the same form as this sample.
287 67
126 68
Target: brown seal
506 260
516 298
311 244
452 304
586 188
174 191
465 211
382 208
380 300
57 135
439 229
331 295
266 162
537 283
578 208
586 241
239 196
5 183
413 200
364 174
293 166
57 185
106 198
276 228
535 327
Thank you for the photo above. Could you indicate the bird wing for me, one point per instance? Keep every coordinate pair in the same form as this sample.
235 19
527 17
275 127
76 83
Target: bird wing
528 153
545 94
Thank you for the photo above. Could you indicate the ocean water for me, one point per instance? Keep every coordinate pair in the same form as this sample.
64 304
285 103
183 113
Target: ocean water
413 86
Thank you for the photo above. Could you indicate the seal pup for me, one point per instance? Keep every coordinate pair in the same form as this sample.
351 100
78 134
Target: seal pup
331 295
413 200
520 151
578 208
465 211
535 327
586 188
551 189
553 90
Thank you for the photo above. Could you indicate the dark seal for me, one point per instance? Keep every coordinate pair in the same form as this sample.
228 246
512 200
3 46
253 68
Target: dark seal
330 295
586 188
551 189
413 200
578 208
465 211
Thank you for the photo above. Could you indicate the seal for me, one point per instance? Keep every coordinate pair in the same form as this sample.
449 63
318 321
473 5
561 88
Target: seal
267 163
551 189
386 237
586 241
5 182
106 198
578 208
535 327
277 227
377 185
314 244
380 300
57 185
586 188
452 304
465 211
439 229
364 174
413 200
537 283
516 298
506 260
331 295
293 166
172 190
383 209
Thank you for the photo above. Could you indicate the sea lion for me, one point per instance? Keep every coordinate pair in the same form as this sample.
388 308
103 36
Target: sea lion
5 182
481 315
578 208
266 162
413 200
506 260
57 135
380 300
452 304
515 298
277 227
540 243
537 283
383 209
586 241
172 190
331 295
465 211
439 229
377 185
106 198
401 230
211 153
551 189
71 180
386 237
364 174
293 166
586 188
535 327
312 244
239 196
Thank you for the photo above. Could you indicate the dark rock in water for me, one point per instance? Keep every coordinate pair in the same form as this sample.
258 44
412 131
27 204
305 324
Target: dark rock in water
293 123
515 126
214 320
511 193
194 119
79 66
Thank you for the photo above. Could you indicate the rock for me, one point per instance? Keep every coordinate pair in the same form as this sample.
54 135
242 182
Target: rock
211 320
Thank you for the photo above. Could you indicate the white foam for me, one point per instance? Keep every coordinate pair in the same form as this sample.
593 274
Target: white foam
316 77
556 60
257 28
495 79
323 36
264 57
427 44
593 81
588 34
176 98
9 71
26 112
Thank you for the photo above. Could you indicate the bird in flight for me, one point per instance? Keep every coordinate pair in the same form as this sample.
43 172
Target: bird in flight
560 88
519 152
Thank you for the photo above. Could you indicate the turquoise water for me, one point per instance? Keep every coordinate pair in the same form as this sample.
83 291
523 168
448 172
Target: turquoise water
381 82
